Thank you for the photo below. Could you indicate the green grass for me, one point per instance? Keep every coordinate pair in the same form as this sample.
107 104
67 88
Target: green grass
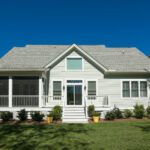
103 136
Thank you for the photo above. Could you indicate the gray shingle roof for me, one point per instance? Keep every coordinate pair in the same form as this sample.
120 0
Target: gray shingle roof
38 56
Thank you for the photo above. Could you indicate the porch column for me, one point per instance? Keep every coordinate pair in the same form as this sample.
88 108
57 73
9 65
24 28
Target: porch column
10 91
40 92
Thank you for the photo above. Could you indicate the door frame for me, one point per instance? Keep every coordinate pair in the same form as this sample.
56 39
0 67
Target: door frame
82 84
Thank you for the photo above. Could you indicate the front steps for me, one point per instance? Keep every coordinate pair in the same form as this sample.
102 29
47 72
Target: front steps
74 115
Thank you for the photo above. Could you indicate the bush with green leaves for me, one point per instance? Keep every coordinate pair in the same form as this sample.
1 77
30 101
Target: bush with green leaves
91 110
139 111
117 113
37 116
6 116
148 111
128 113
110 115
57 112
22 115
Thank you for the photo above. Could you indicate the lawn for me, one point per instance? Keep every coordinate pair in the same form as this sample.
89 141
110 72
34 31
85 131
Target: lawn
104 136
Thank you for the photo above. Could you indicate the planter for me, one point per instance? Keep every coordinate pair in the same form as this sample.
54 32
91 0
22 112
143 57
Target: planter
96 119
49 120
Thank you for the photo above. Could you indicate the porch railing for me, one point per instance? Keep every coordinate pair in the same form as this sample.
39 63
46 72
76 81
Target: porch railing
97 100
25 101
52 100
4 100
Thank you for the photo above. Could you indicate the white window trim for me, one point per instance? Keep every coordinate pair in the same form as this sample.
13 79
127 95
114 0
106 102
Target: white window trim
77 69
96 86
51 88
130 80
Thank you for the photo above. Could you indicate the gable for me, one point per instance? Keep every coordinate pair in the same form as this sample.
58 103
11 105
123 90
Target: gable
80 52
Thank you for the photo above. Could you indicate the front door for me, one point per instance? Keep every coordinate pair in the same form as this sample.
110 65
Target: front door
74 92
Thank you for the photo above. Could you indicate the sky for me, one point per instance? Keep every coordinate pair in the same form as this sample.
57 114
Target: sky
114 23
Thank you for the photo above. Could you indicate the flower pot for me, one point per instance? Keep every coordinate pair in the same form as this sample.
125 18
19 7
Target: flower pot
49 120
96 119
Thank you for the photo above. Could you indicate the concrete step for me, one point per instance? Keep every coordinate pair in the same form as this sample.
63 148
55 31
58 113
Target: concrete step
75 120
74 116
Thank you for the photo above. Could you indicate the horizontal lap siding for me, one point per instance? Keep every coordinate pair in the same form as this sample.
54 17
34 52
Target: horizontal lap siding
112 88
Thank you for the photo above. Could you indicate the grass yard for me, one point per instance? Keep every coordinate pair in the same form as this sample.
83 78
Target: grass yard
134 135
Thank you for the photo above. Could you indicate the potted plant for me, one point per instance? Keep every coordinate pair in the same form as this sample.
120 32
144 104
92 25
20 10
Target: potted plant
50 118
96 117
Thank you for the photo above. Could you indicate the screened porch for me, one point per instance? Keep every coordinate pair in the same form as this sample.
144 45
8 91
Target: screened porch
19 91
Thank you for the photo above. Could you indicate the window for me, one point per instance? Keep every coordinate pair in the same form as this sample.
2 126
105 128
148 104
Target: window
126 89
74 63
57 88
134 89
143 89
91 88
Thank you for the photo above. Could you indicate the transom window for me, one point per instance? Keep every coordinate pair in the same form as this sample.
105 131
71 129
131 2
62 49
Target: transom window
134 89
74 64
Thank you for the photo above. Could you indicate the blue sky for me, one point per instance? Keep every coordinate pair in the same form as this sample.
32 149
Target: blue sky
114 23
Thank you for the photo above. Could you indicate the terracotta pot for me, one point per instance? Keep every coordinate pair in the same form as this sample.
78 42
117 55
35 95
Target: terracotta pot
96 119
49 120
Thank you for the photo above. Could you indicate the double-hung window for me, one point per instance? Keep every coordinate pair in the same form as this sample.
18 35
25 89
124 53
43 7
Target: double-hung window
92 90
134 89
57 90
126 89
143 89
74 64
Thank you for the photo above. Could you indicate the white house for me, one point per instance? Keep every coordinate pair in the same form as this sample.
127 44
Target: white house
38 77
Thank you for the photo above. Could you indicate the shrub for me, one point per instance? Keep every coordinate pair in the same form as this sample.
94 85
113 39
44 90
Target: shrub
110 115
37 116
139 111
22 115
117 113
96 114
148 111
6 116
127 113
91 109
57 112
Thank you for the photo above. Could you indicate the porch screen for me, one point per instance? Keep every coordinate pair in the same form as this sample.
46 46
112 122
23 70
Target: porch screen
143 89
25 86
91 88
56 88
134 89
126 89
3 85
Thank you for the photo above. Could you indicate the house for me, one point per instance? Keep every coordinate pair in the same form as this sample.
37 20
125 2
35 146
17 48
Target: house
38 77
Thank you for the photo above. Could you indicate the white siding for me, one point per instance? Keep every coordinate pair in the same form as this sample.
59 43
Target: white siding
106 86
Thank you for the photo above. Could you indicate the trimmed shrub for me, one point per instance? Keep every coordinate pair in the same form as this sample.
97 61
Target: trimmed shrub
139 111
57 112
6 116
128 113
37 116
110 115
117 113
148 111
22 115
91 109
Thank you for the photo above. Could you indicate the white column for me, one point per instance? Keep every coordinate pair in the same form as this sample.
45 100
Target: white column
40 92
10 91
